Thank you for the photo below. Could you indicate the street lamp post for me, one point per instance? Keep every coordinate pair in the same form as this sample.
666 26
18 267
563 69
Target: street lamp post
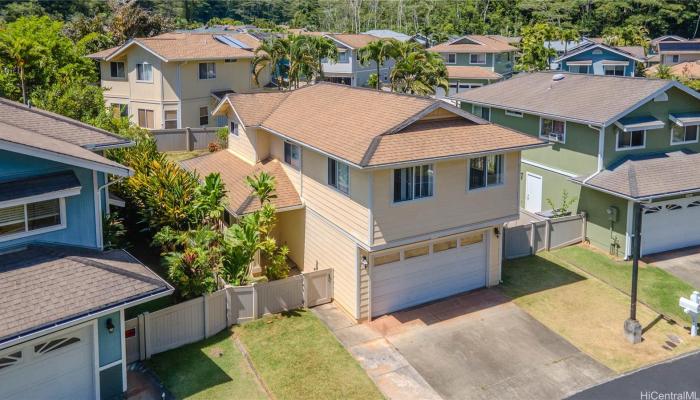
633 329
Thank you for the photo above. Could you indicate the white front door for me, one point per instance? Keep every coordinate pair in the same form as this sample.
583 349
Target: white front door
533 192
670 225
58 366
454 266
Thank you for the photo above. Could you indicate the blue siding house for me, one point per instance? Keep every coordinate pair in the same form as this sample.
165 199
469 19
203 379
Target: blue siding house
61 318
600 59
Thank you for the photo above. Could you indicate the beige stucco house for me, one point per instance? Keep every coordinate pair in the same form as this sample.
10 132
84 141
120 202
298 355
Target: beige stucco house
174 80
403 197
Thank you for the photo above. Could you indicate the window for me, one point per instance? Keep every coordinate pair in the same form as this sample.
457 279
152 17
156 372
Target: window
116 69
416 252
30 217
477 58
485 171
680 135
675 58
696 203
413 183
673 207
203 116
55 344
170 119
616 70
10 360
467 86
449 58
292 155
471 239
444 245
144 72
145 118
578 69
119 110
630 140
339 175
483 112
552 129
514 113
387 258
343 57
233 128
207 70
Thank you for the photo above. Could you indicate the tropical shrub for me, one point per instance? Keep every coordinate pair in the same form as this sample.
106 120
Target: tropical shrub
565 203
213 147
222 136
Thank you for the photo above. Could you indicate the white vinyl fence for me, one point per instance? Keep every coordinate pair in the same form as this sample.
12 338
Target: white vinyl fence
186 139
203 317
550 234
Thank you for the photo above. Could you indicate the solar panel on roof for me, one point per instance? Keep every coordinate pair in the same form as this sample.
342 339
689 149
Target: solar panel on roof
679 46
228 40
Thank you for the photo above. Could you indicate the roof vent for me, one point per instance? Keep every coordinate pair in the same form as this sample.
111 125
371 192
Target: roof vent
558 77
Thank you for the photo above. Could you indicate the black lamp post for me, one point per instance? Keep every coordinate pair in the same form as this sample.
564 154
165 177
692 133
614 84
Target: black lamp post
633 329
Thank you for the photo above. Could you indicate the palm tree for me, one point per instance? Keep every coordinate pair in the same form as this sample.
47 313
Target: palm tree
663 71
420 72
378 51
568 35
321 48
266 56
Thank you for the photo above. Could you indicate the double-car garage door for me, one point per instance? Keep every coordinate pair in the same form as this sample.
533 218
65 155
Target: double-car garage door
58 367
670 225
426 272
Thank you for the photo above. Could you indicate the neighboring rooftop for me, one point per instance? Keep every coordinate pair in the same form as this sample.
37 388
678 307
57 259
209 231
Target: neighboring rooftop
690 70
585 98
634 52
666 38
687 46
183 46
471 72
389 34
64 284
649 176
353 40
233 172
473 44
350 122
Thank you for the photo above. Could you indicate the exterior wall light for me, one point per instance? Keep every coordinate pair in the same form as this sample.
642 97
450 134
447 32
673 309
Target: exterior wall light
110 325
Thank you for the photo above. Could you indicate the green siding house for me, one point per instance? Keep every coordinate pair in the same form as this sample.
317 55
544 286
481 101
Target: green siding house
615 141
475 60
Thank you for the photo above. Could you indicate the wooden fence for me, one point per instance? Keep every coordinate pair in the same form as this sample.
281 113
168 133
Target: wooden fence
186 139
203 317
550 234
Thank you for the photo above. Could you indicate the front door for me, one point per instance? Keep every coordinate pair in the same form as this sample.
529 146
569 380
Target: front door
533 192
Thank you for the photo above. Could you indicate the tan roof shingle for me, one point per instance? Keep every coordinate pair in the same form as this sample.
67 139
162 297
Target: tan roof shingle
354 40
471 72
233 172
481 44
689 69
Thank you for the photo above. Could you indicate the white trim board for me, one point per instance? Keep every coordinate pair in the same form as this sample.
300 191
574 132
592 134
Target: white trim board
548 168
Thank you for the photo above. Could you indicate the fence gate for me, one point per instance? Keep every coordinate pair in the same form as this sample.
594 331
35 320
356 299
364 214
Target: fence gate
132 337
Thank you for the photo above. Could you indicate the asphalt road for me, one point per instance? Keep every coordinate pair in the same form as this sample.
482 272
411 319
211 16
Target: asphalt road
678 376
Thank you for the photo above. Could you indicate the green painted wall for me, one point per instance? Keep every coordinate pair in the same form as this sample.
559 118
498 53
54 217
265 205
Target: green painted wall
553 185
599 231
657 140
463 59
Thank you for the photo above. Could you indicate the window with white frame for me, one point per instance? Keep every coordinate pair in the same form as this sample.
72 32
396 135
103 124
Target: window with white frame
233 128
449 58
413 183
616 70
514 113
203 116
467 86
630 140
34 217
116 69
477 58
343 57
578 69
339 175
483 112
170 119
552 129
485 171
292 155
145 118
207 70
144 72
680 135
675 58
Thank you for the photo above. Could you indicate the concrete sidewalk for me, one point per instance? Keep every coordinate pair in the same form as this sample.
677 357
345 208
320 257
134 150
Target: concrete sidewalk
389 370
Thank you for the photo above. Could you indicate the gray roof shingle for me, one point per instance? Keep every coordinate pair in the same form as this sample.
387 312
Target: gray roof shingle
42 286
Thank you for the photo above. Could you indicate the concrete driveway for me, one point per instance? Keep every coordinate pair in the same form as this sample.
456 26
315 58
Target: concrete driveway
479 345
683 263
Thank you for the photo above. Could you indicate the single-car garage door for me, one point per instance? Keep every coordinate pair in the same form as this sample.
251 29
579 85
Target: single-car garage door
418 274
58 367
670 225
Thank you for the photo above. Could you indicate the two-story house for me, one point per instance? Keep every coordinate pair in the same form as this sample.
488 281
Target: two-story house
63 298
672 52
172 81
404 197
475 60
591 57
654 57
616 141
348 69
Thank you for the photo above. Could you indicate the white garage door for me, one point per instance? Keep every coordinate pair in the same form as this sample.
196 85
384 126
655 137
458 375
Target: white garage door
671 225
57 367
456 265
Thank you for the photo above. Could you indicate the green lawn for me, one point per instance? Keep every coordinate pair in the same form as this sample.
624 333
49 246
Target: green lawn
298 358
211 369
657 288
